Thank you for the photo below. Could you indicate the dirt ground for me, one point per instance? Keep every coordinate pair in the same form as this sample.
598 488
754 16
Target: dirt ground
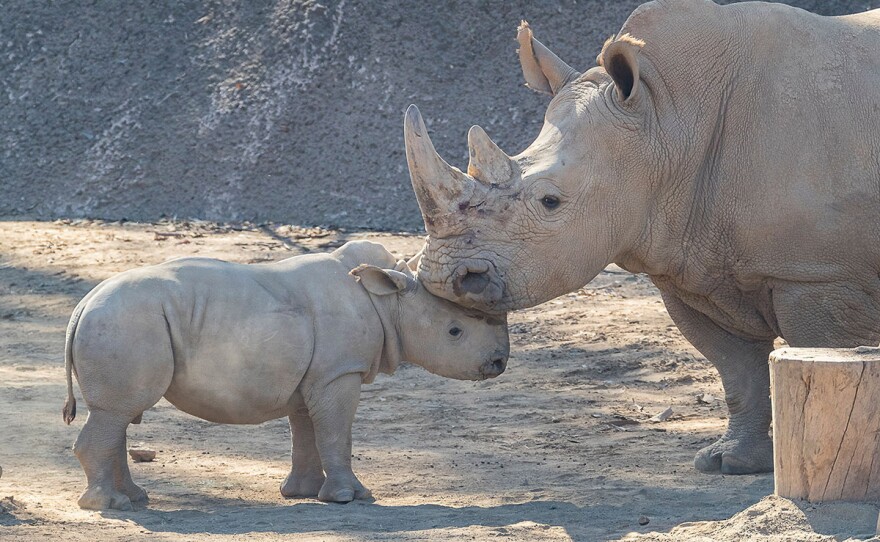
560 447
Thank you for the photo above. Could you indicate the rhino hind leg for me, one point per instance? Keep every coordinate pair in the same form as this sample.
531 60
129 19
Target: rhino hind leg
332 412
306 474
746 446
99 448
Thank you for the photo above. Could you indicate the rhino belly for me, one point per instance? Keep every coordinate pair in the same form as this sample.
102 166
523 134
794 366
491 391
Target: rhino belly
244 373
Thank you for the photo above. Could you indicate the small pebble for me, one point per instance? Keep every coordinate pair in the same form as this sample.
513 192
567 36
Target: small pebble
141 455
663 416
643 520
706 398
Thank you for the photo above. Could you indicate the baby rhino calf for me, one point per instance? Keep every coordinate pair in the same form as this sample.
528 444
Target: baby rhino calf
244 344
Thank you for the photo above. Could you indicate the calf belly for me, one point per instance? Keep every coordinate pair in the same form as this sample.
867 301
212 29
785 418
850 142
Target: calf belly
244 373
234 389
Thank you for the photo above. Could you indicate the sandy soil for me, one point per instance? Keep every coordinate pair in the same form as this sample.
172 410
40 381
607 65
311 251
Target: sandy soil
558 448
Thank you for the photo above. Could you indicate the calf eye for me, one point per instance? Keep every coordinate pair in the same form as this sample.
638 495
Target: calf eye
550 202
455 331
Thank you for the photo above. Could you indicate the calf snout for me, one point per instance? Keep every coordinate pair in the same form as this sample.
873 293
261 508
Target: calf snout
494 366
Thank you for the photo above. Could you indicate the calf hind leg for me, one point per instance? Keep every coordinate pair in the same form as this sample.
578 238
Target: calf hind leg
124 364
100 449
123 481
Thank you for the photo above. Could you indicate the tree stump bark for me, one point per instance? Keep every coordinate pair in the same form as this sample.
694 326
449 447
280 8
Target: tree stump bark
826 423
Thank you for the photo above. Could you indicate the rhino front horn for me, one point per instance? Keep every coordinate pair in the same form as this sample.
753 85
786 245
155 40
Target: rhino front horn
438 186
488 163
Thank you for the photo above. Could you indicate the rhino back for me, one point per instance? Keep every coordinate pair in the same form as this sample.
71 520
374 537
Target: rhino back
774 112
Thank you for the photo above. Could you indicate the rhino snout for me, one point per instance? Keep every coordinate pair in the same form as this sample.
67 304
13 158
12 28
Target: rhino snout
494 366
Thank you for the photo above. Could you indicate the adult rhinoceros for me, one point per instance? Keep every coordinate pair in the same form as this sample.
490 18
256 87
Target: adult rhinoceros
731 153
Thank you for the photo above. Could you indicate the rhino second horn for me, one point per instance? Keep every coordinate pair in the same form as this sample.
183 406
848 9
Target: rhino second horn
488 163
439 187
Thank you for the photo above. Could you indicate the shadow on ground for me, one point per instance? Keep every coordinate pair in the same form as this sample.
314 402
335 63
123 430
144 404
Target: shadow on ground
238 516
311 517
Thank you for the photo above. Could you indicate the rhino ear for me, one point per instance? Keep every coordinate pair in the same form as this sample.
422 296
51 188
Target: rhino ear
382 281
620 58
544 71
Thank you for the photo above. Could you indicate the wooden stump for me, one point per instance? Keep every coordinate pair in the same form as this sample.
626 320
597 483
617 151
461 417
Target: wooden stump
826 423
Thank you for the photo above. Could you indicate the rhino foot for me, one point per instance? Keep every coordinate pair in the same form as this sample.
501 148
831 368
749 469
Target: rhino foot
302 485
730 455
343 491
101 498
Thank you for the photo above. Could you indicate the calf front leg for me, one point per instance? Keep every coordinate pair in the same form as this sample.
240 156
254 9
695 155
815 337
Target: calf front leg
306 474
746 446
332 408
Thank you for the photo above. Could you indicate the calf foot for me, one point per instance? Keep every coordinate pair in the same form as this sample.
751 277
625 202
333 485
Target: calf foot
736 455
302 484
136 494
360 492
101 498
343 490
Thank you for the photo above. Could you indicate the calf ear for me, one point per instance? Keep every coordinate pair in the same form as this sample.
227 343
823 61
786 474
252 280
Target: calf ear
544 71
382 281
620 58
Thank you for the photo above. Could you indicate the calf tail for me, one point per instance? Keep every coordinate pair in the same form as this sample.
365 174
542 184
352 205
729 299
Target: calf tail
69 410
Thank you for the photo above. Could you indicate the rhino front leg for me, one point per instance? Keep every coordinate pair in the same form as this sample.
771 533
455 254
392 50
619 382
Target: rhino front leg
306 474
332 409
746 446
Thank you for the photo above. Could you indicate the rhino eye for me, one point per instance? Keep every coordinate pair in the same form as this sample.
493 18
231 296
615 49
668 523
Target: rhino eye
550 202
455 331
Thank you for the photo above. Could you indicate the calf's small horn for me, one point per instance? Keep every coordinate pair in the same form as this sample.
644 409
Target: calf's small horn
488 163
438 186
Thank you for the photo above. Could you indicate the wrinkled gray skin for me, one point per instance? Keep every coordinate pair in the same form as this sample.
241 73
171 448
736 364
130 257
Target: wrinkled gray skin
244 344
731 153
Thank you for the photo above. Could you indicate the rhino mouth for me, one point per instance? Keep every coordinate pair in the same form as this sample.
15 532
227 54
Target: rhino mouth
473 283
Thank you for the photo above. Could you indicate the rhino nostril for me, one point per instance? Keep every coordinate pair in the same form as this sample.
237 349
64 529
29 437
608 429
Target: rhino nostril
475 283
493 367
